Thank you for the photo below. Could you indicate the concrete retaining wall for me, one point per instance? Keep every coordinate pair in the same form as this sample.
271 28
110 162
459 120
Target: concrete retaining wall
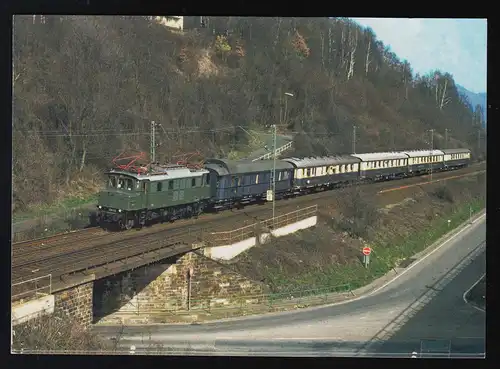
29 310
228 252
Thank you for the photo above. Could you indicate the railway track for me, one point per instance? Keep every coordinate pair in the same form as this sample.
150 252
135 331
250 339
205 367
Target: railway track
59 264
91 248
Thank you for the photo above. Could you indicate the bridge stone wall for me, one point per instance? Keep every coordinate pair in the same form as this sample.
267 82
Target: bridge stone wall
154 293
75 300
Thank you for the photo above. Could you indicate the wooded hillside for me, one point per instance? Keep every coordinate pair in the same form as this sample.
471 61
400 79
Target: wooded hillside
86 88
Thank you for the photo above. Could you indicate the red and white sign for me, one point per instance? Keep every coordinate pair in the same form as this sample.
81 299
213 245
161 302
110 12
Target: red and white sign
367 251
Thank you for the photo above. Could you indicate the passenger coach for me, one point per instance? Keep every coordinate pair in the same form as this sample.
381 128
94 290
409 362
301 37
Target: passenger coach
323 171
375 166
456 158
245 181
420 161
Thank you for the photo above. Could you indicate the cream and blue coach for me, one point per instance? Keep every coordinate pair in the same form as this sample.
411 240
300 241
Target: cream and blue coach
420 161
323 171
456 158
382 165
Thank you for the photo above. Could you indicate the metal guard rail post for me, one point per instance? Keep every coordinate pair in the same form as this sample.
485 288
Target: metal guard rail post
34 291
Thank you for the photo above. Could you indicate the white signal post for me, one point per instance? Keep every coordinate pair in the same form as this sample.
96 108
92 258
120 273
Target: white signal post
274 155
274 168
366 255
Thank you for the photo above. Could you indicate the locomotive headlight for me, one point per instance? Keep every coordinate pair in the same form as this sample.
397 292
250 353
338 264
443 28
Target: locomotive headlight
100 207
119 210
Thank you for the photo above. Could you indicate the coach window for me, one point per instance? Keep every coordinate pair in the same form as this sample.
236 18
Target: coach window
256 179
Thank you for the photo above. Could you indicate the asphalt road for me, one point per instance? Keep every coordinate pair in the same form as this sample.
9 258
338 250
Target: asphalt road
365 326
447 324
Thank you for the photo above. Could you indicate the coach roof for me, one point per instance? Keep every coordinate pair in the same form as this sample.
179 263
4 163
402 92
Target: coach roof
245 166
420 153
455 151
380 156
319 161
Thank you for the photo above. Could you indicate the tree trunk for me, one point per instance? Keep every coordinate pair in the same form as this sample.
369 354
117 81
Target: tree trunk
84 154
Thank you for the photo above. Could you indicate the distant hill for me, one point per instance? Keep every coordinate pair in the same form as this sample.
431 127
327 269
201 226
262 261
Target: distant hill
474 98
78 104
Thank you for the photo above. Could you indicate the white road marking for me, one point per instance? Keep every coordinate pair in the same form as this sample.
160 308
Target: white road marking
466 292
425 257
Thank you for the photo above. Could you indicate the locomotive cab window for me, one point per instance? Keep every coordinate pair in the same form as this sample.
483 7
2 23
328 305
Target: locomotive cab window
112 182
171 185
193 182
207 178
144 186
158 187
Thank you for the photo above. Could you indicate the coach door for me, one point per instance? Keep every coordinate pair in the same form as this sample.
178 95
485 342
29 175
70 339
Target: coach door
362 171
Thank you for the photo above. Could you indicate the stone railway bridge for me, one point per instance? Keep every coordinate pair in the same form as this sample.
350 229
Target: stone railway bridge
169 279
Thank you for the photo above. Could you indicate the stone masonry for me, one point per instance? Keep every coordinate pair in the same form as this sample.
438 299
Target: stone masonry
162 288
76 302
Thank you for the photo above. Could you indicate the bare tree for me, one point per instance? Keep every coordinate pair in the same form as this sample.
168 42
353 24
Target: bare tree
353 44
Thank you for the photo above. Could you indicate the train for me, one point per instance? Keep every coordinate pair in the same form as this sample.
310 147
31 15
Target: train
137 196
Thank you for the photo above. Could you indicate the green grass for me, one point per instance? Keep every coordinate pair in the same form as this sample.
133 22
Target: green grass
54 208
383 258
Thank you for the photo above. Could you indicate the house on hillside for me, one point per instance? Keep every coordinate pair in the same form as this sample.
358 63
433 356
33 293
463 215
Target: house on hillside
171 21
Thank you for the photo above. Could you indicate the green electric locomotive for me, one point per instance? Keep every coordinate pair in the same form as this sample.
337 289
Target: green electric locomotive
134 198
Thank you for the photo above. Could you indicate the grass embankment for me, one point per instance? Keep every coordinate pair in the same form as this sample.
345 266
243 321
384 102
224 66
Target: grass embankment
383 258
56 208
46 220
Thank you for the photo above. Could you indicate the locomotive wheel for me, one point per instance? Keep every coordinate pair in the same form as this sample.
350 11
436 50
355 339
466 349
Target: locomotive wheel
130 224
